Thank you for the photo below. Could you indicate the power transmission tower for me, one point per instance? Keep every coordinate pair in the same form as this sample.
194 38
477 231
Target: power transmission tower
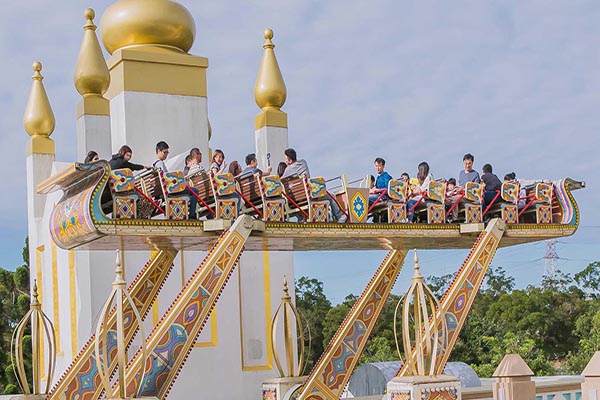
550 257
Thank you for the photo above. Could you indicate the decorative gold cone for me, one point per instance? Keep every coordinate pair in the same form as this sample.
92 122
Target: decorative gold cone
91 75
269 90
39 118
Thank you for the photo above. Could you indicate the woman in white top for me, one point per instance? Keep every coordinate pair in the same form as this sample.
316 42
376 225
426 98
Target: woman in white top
218 164
424 177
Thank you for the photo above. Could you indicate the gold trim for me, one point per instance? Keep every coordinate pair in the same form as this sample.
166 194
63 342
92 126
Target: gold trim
93 105
165 72
155 313
38 266
55 303
214 336
270 117
40 145
73 297
267 293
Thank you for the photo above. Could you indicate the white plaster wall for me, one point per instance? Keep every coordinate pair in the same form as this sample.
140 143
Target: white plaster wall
270 139
93 133
140 120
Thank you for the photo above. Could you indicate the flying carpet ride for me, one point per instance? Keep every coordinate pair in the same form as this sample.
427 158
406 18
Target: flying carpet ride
152 209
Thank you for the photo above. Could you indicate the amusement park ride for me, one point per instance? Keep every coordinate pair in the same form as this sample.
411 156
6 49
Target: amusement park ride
149 212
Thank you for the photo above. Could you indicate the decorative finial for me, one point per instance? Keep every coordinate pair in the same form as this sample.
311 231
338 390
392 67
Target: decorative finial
34 300
121 299
424 329
417 274
39 118
285 311
91 75
42 336
119 273
269 90
285 287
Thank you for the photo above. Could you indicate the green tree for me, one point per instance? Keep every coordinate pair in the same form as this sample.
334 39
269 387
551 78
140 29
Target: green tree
589 279
14 303
313 305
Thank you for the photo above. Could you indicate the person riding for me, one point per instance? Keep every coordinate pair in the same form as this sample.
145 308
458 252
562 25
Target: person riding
121 160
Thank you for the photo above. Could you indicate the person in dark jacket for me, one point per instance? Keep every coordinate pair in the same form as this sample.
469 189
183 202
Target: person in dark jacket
121 160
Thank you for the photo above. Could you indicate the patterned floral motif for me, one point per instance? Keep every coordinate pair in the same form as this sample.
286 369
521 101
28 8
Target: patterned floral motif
436 213
472 213
543 213
172 182
121 180
271 186
227 208
474 192
318 211
510 213
510 192
358 206
274 210
316 188
125 207
223 184
396 213
398 190
543 193
177 208
437 191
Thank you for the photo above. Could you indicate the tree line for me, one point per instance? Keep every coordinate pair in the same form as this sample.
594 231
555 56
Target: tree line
555 326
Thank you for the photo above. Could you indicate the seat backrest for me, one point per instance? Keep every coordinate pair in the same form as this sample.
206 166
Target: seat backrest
172 182
201 181
150 185
294 189
474 192
510 191
250 188
271 186
121 181
543 192
315 187
437 191
223 184
398 190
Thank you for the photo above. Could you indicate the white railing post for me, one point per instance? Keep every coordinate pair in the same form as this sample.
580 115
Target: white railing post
513 379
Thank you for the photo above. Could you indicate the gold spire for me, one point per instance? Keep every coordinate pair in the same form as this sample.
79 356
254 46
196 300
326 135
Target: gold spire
39 119
269 91
161 23
91 75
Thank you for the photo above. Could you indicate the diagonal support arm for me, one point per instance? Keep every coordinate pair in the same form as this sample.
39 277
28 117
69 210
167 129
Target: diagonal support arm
144 291
458 299
331 373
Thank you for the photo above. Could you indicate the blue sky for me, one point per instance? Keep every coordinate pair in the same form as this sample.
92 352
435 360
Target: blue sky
515 83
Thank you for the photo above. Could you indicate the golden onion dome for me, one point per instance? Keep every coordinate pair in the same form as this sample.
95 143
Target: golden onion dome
163 23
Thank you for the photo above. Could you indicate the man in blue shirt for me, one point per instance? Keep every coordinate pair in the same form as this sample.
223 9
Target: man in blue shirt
381 182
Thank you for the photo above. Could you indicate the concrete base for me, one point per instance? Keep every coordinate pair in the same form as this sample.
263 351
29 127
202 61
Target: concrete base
439 387
281 388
